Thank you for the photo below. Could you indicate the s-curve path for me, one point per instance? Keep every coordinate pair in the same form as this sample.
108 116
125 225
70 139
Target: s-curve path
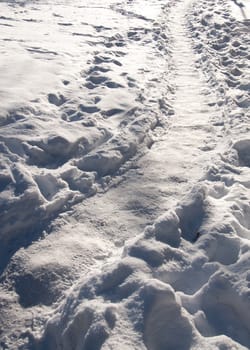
182 149
179 157
186 145
159 176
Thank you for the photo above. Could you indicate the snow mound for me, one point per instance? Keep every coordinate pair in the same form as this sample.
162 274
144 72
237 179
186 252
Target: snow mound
243 149
167 285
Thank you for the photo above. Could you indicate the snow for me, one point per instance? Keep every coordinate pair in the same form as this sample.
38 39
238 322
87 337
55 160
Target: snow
125 191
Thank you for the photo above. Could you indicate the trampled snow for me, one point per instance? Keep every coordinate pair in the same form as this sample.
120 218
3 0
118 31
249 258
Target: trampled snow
125 182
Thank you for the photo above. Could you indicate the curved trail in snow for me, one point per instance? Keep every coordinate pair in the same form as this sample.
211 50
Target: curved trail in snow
177 161
157 180
146 250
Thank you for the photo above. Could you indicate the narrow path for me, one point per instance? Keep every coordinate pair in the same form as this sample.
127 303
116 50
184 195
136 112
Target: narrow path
162 176
82 240
178 159
167 171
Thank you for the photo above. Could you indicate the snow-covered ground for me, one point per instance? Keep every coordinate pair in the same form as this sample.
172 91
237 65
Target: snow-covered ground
125 174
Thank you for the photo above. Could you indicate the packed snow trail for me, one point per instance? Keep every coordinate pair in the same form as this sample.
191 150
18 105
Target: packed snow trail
176 161
151 250
179 156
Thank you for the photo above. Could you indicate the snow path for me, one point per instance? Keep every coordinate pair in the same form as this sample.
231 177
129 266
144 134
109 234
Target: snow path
177 158
158 179
162 175
97 253
156 182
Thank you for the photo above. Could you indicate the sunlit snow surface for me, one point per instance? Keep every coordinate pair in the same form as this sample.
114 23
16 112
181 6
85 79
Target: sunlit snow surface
124 175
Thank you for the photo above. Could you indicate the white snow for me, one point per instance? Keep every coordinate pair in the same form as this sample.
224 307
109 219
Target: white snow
124 175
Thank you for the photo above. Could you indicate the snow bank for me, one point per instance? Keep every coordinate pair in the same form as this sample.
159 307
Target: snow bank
165 282
81 119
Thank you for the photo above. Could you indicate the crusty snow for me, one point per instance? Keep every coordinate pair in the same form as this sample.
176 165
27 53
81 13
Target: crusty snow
125 175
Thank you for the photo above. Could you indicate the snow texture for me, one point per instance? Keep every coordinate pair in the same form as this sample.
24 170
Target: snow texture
125 175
